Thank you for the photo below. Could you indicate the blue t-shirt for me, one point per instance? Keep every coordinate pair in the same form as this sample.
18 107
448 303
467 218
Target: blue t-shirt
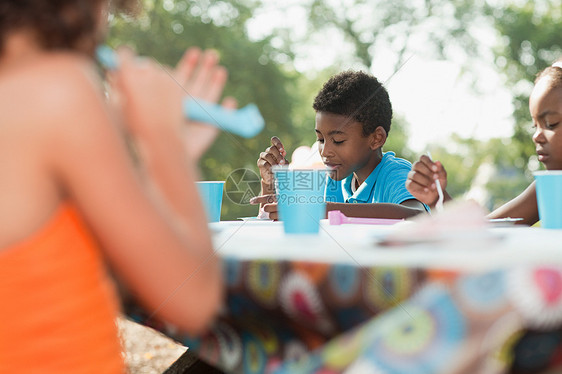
386 184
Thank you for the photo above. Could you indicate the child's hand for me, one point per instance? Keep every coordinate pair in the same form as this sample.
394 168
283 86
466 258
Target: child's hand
274 155
151 102
202 78
269 205
421 180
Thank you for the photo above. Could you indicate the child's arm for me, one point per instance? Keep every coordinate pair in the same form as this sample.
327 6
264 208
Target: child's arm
421 181
156 240
407 209
523 206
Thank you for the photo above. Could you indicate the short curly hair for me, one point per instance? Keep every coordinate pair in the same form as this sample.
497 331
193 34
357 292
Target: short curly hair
359 96
553 72
57 24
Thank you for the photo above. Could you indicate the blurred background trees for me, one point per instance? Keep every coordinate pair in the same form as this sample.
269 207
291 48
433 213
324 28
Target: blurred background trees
262 70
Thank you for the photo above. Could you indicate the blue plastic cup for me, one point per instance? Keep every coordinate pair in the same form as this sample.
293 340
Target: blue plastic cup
549 198
300 198
211 195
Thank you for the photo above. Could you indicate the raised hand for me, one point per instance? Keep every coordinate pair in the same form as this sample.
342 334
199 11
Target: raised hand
202 78
149 101
273 155
421 180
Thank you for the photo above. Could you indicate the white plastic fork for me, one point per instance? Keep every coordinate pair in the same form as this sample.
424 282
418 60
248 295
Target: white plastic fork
439 204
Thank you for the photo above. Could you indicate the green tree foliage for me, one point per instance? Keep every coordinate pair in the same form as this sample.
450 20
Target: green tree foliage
258 73
530 38
532 41
399 25
397 140
262 71
166 28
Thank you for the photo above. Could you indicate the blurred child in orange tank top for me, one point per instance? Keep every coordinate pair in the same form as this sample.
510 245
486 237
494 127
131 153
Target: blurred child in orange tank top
68 187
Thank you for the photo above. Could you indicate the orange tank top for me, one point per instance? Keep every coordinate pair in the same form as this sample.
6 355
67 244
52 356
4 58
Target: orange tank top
57 305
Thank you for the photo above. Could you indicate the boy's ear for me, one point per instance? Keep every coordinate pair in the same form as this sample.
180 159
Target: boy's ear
378 138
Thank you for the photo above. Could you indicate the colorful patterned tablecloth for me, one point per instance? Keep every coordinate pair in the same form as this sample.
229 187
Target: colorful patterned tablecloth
291 316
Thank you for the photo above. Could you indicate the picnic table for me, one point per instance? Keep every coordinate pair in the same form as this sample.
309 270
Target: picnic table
341 301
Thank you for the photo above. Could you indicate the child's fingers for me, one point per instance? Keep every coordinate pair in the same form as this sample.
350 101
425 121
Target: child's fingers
266 160
441 174
262 162
263 199
229 103
423 169
272 210
416 189
269 157
265 171
214 87
440 169
204 73
126 53
275 141
135 76
277 156
421 192
421 179
428 163
129 60
135 73
187 65
435 167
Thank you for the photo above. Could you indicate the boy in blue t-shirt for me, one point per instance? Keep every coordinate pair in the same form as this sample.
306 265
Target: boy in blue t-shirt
353 116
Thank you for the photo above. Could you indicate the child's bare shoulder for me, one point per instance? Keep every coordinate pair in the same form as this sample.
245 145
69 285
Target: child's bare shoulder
48 87
49 76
